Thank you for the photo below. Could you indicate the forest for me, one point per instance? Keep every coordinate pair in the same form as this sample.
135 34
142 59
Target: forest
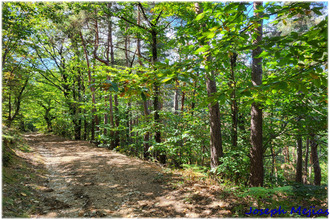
233 92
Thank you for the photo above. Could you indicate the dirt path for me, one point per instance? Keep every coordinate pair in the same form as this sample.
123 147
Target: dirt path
86 181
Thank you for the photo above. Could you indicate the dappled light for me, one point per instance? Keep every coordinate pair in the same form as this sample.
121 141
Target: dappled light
164 109
86 180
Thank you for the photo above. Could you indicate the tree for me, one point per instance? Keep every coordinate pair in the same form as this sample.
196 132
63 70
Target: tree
299 160
109 60
214 112
153 30
115 73
16 56
315 160
256 152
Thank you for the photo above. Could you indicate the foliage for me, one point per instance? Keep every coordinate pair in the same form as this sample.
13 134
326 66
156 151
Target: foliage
113 72
287 197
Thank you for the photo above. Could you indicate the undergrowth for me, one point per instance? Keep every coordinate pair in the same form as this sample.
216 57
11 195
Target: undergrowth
19 198
311 197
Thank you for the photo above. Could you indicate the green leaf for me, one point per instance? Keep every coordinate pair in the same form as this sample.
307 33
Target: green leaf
269 102
202 49
166 79
210 35
199 17
263 54
114 86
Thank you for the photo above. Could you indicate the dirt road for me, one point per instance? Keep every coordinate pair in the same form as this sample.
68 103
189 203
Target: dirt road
86 181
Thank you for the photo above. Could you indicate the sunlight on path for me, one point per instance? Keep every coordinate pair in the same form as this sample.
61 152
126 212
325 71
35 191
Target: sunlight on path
86 181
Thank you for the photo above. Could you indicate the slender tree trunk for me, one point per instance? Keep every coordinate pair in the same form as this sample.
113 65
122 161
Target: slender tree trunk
215 125
9 109
274 170
105 121
294 157
73 112
306 161
256 152
106 99
112 133
310 164
146 153
160 155
315 159
129 65
176 98
182 99
233 106
95 119
299 160
85 127
193 98
117 141
112 62
214 111
77 99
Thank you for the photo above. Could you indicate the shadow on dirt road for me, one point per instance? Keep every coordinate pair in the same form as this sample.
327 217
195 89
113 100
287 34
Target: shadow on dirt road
86 181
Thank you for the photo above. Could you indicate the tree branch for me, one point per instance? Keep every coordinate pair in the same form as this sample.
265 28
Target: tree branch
144 14
47 70
132 52
19 99
96 45
131 22
158 17
275 135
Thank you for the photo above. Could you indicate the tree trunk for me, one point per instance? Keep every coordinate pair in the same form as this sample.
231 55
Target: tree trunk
214 111
80 90
274 169
215 125
233 107
256 151
299 160
74 108
129 65
85 127
18 104
315 160
105 121
112 133
306 161
146 145
9 109
146 153
93 124
95 119
161 157
112 62
310 169
117 141
193 97
182 99
176 98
